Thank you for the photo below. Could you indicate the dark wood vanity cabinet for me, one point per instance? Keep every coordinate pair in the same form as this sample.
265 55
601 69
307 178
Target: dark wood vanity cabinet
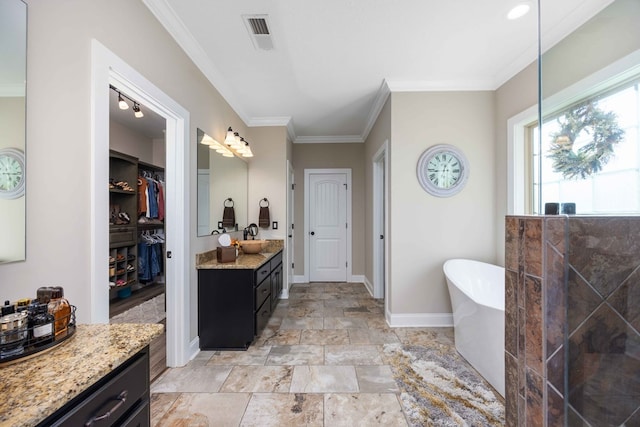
235 304
121 398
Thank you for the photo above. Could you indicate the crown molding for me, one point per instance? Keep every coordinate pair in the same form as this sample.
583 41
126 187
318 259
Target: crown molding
181 34
269 121
439 85
275 121
378 103
12 90
339 139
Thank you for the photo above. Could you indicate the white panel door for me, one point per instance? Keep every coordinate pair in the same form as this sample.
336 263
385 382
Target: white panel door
328 228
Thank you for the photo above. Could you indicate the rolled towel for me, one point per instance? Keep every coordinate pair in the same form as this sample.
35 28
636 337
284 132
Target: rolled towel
263 219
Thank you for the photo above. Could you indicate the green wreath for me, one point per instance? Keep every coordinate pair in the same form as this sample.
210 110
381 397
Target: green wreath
590 158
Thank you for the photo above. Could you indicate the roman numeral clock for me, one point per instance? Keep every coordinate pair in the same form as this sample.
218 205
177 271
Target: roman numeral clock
443 170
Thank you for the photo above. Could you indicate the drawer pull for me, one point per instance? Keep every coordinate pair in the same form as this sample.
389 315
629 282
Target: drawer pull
122 397
265 290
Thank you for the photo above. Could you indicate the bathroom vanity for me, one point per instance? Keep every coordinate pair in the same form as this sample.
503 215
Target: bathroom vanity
236 299
100 376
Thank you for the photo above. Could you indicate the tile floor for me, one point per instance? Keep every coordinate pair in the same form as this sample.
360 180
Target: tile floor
319 362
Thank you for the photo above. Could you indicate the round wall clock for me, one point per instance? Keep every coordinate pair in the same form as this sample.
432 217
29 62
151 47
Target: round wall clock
443 170
11 173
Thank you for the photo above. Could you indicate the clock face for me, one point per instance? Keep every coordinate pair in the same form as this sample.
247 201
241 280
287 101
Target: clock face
11 173
442 170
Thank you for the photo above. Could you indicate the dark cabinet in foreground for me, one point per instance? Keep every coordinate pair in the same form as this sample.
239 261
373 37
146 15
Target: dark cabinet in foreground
235 304
121 398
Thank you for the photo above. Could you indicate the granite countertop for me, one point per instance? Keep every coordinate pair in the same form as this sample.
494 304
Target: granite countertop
35 388
207 260
244 261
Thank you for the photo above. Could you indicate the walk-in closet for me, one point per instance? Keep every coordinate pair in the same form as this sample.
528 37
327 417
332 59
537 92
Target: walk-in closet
137 219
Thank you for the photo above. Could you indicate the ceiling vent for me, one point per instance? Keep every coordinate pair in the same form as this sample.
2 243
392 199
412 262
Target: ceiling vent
258 27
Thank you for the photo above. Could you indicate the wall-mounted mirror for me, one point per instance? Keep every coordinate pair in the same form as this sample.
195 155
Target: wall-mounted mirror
222 189
13 71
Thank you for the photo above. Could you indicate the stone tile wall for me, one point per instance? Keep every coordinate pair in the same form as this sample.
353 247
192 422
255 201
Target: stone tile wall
597 260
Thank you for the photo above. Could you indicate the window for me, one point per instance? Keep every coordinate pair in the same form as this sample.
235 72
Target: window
614 186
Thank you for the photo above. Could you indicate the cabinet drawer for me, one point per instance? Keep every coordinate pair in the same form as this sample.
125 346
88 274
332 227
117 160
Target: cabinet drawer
262 292
132 381
262 316
262 273
277 259
140 417
122 236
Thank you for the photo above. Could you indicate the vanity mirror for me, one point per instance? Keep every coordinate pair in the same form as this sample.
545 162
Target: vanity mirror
13 59
222 190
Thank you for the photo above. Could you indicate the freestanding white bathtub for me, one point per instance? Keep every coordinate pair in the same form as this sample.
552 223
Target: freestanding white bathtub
477 298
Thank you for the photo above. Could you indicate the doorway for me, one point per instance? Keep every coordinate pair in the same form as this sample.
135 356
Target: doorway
327 225
108 69
290 230
380 215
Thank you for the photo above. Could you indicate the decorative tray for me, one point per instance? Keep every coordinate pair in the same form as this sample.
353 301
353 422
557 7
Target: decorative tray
18 341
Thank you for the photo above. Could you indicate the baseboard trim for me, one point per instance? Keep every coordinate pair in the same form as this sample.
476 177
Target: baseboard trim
368 285
357 278
424 320
194 348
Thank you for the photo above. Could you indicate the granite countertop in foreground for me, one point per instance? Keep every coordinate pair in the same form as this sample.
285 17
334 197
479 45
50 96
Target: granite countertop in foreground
207 260
35 388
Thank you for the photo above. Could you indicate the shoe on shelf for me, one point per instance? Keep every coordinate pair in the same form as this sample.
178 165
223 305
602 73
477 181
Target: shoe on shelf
124 217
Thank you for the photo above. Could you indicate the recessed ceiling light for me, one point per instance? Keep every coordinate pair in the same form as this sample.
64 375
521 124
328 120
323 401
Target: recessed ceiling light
519 11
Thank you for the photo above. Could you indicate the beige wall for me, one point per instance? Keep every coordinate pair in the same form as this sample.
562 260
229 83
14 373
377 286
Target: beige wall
427 230
331 156
380 132
12 212
268 177
128 141
513 97
58 136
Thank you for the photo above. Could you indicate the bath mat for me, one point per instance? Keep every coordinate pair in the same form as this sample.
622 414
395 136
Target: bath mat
150 311
439 388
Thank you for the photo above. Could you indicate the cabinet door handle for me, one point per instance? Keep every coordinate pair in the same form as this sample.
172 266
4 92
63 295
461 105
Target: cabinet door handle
121 398
265 290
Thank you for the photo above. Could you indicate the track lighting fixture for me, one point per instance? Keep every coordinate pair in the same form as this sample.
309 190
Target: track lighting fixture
123 105
136 110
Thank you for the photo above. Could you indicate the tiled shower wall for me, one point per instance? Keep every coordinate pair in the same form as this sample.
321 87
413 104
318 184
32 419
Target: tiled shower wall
597 306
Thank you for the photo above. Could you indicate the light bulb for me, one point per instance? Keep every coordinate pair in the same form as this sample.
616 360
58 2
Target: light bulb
230 139
137 112
518 11
121 103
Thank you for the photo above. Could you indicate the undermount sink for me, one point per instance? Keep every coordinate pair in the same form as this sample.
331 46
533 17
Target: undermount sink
252 246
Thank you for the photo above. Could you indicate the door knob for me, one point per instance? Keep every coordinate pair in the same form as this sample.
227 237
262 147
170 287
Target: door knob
313 233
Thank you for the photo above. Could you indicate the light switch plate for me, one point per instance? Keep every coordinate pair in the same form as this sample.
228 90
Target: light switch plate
274 225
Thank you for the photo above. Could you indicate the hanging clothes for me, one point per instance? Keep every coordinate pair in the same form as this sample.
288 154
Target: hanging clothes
150 197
